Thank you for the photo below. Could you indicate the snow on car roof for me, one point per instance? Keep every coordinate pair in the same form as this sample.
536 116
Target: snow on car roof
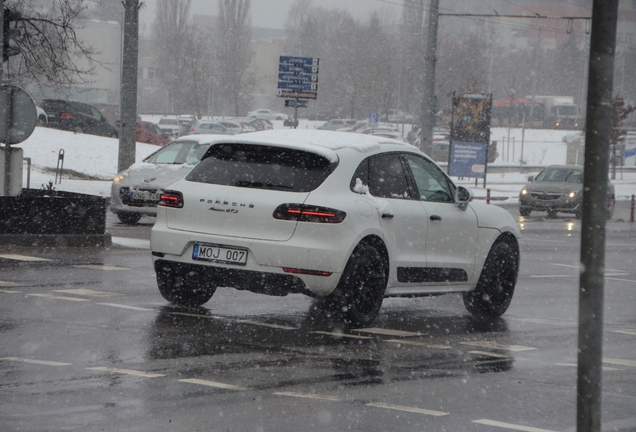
322 142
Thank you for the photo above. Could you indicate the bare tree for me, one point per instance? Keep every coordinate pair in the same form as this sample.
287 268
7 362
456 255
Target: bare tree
172 33
233 56
50 52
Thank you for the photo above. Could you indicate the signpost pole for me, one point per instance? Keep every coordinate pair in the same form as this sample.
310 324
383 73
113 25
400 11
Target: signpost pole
4 125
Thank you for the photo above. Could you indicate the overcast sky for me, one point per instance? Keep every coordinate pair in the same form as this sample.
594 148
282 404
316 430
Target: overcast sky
273 13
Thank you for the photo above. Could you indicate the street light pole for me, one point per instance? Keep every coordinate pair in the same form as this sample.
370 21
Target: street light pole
428 102
128 94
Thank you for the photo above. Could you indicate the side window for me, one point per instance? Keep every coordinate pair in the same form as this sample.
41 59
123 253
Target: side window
362 173
387 178
431 183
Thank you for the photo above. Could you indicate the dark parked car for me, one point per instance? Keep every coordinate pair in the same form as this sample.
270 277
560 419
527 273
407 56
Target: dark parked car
77 117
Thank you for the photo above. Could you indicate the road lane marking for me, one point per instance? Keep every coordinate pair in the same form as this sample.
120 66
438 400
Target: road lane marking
100 267
388 332
214 384
41 362
88 293
10 284
620 279
409 342
9 291
493 344
126 307
551 276
258 323
23 258
341 335
620 362
133 243
510 426
77 299
310 396
627 332
547 321
605 368
408 409
199 315
127 372
490 354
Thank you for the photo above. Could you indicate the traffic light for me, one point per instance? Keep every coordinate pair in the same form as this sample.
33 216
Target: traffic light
8 48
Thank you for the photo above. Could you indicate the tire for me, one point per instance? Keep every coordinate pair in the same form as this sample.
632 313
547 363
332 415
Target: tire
129 218
183 287
611 205
552 214
525 211
358 297
279 118
41 121
496 285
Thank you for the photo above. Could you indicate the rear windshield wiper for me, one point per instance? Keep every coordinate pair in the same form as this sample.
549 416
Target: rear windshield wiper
261 185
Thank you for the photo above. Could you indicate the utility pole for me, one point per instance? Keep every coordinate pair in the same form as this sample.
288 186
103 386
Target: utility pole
598 127
128 93
428 102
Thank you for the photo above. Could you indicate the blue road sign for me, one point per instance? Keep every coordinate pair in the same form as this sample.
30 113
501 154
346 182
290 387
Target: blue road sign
298 69
373 117
294 103
301 86
295 77
307 61
468 159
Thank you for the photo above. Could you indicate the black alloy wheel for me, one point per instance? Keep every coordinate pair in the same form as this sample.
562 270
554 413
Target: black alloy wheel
358 297
183 287
496 285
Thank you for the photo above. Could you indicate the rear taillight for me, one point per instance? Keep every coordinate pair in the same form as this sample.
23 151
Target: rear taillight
306 272
308 213
171 198
67 116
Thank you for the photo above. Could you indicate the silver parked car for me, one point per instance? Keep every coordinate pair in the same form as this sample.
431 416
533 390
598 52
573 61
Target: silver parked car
135 192
559 189
209 127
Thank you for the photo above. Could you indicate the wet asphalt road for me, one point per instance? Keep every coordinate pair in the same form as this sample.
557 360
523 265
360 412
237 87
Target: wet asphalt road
88 344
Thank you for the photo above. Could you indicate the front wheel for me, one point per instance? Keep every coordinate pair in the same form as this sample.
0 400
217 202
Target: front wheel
525 211
359 294
611 205
184 287
496 285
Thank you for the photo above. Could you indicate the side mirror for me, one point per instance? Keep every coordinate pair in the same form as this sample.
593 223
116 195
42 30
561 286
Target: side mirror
463 197
531 179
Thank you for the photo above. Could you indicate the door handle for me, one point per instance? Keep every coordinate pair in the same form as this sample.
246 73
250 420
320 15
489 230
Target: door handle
436 218
387 216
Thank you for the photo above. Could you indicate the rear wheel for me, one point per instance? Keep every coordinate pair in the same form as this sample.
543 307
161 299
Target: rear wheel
359 294
184 287
493 294
129 218
525 211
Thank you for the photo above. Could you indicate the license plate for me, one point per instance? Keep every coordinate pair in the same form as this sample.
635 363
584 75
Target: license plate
219 254
144 196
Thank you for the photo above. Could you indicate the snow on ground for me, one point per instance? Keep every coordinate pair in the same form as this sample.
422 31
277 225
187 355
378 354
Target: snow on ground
90 162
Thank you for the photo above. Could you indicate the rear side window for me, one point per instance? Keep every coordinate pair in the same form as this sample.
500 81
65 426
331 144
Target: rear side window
262 167
179 152
384 175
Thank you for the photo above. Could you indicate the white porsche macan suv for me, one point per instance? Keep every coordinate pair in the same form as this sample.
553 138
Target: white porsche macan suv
349 218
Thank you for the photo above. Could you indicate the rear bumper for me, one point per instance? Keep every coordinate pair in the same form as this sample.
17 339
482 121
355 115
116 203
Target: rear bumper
266 260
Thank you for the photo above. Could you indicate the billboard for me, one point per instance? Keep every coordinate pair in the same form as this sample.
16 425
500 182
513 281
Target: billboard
470 136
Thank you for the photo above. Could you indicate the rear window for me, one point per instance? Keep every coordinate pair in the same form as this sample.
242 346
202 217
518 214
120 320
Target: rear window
262 167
